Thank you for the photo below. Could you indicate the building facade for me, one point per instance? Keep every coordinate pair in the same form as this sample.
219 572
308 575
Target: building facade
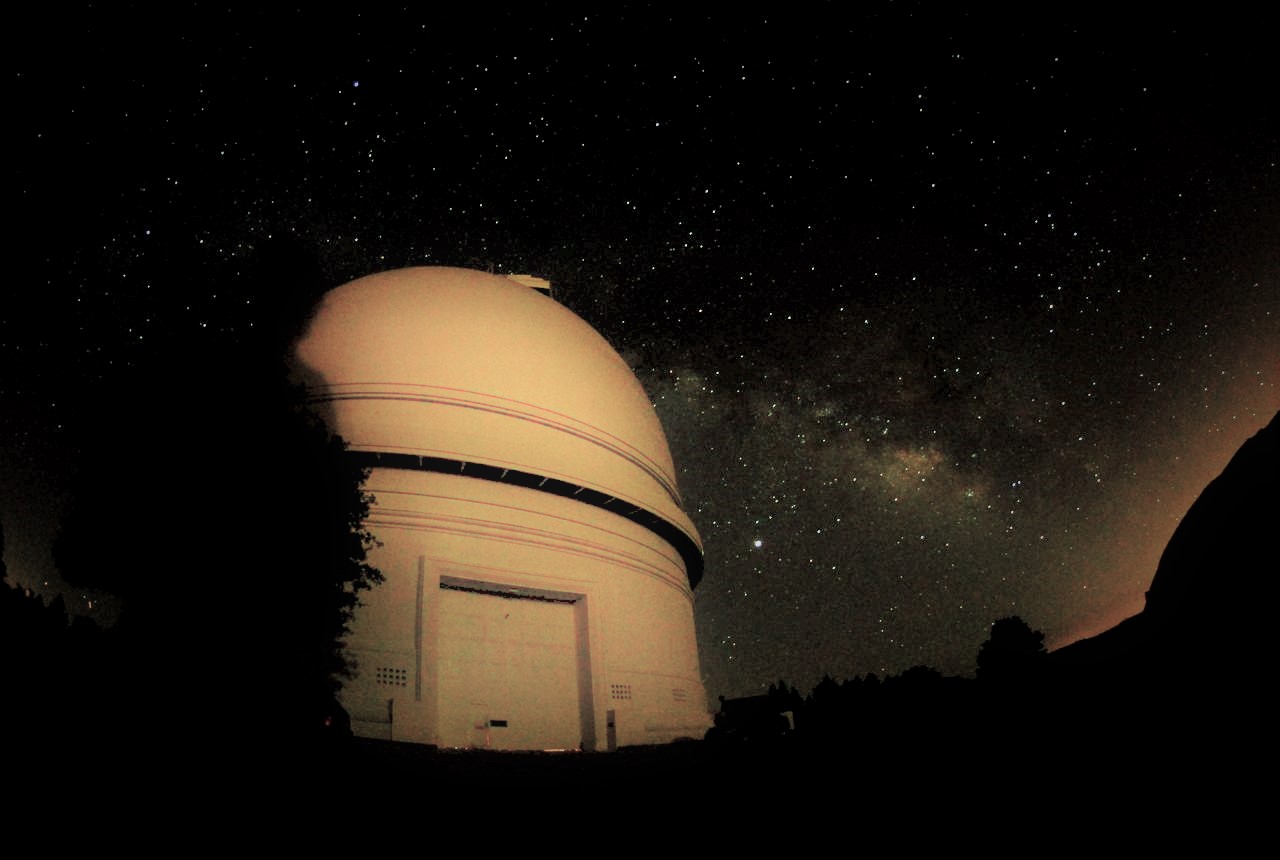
538 563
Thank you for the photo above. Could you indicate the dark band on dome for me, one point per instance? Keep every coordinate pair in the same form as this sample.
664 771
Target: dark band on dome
585 432
683 544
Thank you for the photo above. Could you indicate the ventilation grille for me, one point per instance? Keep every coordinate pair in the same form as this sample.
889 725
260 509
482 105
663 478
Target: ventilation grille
391 677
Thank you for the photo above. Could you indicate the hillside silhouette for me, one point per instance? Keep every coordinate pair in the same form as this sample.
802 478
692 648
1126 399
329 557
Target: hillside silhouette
1202 610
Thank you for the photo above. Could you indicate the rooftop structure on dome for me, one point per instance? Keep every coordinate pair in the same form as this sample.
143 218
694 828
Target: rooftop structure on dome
542 285
539 565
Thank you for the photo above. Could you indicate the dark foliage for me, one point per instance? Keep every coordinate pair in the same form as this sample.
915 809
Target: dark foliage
786 697
229 521
1014 651
49 664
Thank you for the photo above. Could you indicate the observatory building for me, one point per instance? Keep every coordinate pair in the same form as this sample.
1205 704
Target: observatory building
538 563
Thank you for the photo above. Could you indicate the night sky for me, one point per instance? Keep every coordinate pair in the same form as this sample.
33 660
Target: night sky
947 317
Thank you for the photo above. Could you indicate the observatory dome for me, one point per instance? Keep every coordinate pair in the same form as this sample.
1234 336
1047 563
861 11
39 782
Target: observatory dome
538 564
478 369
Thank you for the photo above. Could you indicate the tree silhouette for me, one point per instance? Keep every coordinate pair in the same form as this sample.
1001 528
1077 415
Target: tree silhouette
787 697
229 521
1013 652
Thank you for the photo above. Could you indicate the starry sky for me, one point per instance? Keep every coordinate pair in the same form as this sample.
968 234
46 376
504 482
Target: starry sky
949 316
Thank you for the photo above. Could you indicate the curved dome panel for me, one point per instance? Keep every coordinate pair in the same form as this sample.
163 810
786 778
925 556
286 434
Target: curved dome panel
474 368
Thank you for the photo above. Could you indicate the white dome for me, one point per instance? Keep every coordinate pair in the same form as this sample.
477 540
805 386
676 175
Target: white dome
538 567
454 370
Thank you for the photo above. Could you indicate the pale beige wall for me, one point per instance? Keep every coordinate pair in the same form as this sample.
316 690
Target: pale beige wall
637 604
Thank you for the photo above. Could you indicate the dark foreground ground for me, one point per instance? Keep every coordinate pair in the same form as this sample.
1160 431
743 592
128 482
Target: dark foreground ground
1025 794
924 773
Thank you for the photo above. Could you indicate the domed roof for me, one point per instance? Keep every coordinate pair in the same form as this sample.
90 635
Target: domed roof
467 367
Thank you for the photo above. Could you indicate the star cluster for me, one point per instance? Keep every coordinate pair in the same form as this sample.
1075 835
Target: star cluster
947 317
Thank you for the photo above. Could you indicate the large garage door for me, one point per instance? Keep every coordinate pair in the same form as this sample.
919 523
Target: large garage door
508 672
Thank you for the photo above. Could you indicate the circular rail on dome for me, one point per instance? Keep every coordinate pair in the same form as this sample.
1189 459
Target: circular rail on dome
690 552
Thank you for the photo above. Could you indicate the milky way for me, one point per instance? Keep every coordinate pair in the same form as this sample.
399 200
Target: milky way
947 318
